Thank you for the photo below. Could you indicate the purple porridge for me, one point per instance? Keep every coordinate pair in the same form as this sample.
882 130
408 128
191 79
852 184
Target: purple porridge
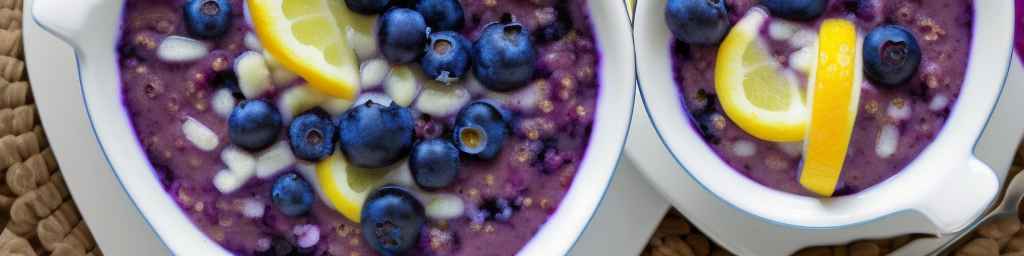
894 124
175 101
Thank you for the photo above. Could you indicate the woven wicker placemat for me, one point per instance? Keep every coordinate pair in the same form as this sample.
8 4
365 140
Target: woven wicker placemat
676 237
37 214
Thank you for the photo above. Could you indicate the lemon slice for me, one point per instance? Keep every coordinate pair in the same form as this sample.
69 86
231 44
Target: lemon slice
308 37
344 186
833 98
757 93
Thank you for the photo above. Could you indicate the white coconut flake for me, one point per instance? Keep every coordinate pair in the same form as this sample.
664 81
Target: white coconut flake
226 182
901 112
263 244
336 106
803 38
803 59
252 42
297 100
274 160
373 72
793 149
379 98
445 207
278 74
200 135
239 162
402 85
177 49
306 235
743 148
252 208
364 45
888 141
437 99
223 102
781 30
939 102
524 100
253 74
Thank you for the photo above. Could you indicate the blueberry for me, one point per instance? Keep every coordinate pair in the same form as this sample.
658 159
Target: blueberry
374 136
392 220
368 6
499 209
801 10
207 18
442 15
504 57
434 163
480 117
292 195
312 136
447 57
401 35
254 125
702 22
891 56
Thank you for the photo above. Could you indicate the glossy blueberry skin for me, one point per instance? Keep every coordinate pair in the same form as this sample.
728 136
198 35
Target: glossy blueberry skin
254 125
490 117
442 15
800 10
401 35
504 57
891 56
447 57
292 195
700 22
368 6
392 220
434 163
374 136
207 19
312 136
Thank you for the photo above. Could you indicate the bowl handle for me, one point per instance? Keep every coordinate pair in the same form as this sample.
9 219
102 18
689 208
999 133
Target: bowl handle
954 203
66 19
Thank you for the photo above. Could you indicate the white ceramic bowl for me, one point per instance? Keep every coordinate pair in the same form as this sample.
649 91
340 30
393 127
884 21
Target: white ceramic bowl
92 28
945 186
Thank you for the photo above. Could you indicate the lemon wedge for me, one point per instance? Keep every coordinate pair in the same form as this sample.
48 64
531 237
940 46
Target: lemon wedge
346 187
833 97
756 92
308 37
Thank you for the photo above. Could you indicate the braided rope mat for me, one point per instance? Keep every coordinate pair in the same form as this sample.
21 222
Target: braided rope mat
676 237
37 214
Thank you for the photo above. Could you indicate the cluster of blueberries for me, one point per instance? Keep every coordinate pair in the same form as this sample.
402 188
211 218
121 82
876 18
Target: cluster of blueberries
502 59
373 136
891 54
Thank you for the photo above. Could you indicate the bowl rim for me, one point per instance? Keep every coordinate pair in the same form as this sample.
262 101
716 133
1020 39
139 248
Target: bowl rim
645 77
605 182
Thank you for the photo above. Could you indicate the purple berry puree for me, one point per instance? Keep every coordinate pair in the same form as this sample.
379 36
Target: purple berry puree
1018 42
943 30
531 175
